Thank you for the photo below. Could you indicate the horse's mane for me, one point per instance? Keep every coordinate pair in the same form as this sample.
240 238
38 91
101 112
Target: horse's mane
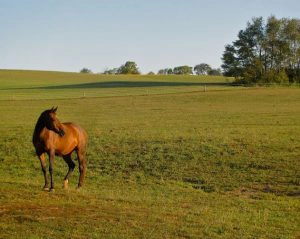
40 124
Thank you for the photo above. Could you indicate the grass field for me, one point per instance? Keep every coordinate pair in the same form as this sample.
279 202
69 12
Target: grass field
168 157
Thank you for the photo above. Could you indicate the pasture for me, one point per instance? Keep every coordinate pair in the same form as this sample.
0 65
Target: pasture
168 157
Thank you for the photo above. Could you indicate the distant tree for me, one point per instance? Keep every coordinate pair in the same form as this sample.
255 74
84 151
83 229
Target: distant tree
85 70
215 72
166 71
170 71
113 71
151 73
161 72
202 69
130 67
183 70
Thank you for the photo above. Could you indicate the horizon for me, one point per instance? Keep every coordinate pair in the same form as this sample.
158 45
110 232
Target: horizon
98 35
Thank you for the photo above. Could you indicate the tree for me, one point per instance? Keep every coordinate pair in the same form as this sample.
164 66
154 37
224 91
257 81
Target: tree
161 72
130 67
202 69
215 72
292 38
85 70
183 70
166 71
231 64
273 42
113 71
265 52
170 71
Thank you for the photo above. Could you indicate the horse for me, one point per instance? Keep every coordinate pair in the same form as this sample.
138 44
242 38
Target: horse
54 138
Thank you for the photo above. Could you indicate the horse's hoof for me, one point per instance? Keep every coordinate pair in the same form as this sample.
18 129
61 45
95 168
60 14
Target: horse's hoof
51 190
45 189
66 184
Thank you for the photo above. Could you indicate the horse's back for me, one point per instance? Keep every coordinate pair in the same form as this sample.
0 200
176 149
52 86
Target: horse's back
77 131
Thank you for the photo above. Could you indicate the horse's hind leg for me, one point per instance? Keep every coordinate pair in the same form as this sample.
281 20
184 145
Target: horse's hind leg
71 166
82 165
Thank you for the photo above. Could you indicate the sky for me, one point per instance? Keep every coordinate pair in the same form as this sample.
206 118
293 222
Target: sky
67 35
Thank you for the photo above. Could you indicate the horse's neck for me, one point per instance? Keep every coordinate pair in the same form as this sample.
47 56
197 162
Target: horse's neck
38 128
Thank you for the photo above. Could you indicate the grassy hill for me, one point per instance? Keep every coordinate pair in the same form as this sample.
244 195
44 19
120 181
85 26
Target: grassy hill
20 85
166 158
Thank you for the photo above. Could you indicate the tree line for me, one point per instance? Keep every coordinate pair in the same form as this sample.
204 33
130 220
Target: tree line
200 69
265 52
130 67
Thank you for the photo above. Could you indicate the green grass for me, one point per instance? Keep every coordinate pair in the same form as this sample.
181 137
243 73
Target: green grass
165 158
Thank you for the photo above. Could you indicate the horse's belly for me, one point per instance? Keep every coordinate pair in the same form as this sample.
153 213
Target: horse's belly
65 150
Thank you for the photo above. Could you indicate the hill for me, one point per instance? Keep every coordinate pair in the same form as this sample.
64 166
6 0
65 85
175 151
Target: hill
40 84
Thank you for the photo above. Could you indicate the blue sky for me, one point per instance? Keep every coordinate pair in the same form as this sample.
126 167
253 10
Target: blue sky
67 35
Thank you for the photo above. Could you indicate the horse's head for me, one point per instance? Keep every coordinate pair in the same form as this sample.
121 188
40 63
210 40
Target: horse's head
51 121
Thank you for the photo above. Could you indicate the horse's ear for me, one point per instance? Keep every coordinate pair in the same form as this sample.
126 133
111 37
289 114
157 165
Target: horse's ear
55 109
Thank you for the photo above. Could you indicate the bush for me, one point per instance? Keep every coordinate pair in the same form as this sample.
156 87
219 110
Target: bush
275 77
281 77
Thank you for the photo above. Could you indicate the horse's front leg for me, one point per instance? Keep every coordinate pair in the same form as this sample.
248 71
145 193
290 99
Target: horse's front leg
51 164
44 169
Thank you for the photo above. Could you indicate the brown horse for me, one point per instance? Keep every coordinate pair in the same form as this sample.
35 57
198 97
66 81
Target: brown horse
55 138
